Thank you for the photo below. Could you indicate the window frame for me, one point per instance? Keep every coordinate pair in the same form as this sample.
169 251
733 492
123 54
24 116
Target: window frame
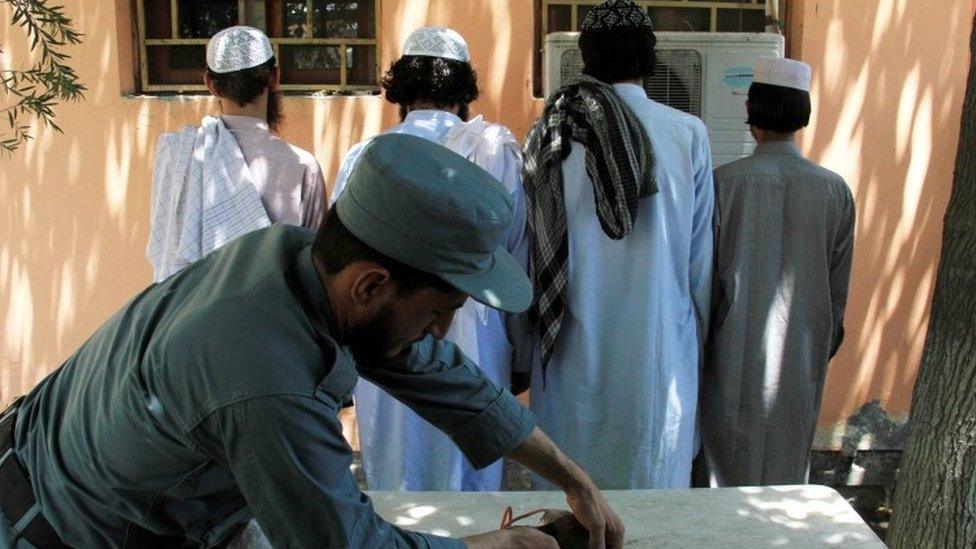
276 42
541 29
713 5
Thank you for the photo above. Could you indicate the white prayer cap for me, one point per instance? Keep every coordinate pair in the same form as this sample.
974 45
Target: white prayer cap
787 73
437 42
238 48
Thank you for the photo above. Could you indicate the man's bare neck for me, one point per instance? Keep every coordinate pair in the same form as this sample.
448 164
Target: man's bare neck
255 109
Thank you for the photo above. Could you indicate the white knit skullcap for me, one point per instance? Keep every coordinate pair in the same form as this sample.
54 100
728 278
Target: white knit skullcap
238 48
437 42
786 73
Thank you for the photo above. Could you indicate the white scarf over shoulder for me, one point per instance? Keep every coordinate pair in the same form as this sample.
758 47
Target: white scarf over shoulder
202 196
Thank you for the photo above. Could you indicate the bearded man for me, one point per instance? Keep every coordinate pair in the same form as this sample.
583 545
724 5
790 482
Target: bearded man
232 174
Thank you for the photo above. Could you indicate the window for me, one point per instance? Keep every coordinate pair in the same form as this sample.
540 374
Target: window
321 45
667 15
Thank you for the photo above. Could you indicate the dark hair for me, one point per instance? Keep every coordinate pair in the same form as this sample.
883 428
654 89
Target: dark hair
336 248
243 86
619 54
777 108
443 82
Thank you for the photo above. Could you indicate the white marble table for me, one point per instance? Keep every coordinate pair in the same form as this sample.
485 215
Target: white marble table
779 516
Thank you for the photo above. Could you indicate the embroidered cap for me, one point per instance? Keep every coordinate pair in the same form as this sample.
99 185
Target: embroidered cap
238 48
419 203
615 14
437 42
787 73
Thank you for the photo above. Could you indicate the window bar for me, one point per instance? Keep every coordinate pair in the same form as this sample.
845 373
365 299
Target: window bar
174 28
574 14
343 58
378 18
241 9
545 21
309 19
143 60
714 19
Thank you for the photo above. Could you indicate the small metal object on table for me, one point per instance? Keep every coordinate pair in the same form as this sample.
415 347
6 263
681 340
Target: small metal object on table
773 516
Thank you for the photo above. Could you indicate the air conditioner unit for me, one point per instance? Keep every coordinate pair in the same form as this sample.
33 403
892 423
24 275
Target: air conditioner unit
704 74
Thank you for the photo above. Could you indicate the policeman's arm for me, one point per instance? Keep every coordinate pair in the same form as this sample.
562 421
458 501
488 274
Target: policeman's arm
440 384
291 463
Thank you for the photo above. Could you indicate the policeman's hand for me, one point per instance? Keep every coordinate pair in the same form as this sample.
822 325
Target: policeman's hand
592 511
519 537
541 455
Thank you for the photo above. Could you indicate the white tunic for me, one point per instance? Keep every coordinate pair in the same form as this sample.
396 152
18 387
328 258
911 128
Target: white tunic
203 196
620 394
225 178
401 451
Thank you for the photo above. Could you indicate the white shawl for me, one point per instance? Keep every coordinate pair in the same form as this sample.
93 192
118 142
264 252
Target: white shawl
202 197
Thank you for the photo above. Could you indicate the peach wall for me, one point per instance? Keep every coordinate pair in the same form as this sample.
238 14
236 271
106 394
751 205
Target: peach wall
888 91
889 79
74 207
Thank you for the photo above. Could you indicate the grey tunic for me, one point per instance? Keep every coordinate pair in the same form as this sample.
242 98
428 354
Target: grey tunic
784 233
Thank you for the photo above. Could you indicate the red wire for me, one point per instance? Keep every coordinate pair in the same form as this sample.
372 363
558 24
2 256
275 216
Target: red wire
508 520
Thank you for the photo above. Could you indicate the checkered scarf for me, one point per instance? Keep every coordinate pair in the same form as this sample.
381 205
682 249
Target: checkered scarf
620 163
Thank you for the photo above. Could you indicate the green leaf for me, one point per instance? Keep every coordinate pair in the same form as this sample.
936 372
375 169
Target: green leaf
37 91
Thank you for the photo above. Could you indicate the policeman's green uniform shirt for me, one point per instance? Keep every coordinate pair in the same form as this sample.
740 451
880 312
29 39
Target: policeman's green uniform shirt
213 397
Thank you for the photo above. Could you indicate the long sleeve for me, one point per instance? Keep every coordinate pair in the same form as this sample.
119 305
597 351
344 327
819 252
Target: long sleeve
291 463
840 271
702 240
445 388
518 328
313 198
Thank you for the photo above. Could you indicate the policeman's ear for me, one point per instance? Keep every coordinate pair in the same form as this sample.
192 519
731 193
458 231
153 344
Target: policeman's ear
372 285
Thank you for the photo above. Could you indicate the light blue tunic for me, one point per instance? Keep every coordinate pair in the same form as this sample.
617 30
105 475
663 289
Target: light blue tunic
401 451
620 395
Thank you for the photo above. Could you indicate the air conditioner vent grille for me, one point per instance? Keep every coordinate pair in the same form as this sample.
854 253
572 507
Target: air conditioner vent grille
677 80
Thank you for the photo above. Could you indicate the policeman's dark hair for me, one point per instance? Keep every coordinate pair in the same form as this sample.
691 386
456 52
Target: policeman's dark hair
446 83
618 54
336 248
777 108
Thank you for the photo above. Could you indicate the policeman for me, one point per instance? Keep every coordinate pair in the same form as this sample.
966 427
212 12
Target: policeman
212 398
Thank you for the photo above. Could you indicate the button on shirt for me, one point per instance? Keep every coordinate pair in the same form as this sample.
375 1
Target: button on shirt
213 396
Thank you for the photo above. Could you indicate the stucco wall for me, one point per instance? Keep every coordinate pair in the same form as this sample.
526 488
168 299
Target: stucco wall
889 77
889 80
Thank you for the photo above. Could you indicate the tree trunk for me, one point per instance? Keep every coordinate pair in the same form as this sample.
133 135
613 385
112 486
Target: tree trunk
935 499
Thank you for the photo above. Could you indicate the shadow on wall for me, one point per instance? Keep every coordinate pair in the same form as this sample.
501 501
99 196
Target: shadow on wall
501 39
887 96
74 207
